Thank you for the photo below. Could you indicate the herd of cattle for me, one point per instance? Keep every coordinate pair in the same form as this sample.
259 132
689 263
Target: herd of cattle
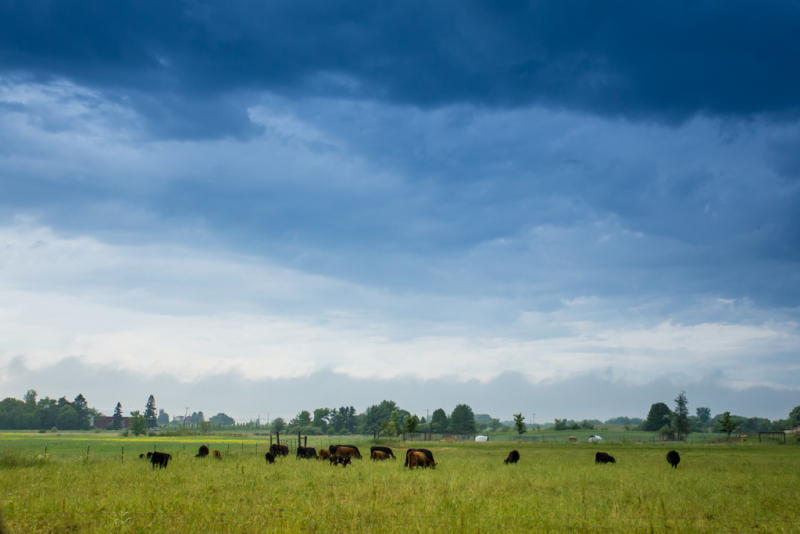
342 455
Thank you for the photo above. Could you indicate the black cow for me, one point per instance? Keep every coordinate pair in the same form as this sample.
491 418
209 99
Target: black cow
306 452
279 450
141 456
387 450
604 458
203 452
270 458
513 457
427 453
674 459
160 459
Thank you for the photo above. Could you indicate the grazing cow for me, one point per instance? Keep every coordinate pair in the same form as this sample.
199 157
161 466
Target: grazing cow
334 448
380 455
324 454
306 452
203 452
426 452
141 456
513 457
674 459
217 454
419 459
340 460
604 458
387 450
270 458
160 459
149 455
348 451
279 450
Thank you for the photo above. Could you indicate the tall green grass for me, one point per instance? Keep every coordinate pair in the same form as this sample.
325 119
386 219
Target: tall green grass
555 488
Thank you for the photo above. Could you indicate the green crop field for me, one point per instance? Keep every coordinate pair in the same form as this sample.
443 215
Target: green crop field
556 487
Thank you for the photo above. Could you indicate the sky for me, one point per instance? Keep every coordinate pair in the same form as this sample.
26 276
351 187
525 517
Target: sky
567 209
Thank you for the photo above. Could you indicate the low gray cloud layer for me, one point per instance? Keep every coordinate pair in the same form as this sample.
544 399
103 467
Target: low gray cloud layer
500 397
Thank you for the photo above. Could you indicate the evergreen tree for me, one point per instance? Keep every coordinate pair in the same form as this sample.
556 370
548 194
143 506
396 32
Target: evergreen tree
82 411
681 421
150 413
519 422
116 419
462 420
659 416
439 422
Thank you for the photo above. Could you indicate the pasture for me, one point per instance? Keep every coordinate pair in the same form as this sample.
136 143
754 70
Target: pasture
556 487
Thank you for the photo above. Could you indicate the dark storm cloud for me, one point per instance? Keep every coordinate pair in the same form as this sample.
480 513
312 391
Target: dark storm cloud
662 60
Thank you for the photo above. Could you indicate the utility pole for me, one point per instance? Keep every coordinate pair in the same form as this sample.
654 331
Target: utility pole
185 415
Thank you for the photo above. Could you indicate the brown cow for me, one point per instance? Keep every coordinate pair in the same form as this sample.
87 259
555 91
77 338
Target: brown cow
380 455
419 459
324 454
217 454
348 452
343 460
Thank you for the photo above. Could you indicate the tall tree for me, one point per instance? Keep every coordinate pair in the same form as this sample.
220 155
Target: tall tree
794 417
150 413
321 418
411 423
439 422
681 421
116 419
703 413
82 409
304 419
278 424
519 422
138 423
30 397
659 416
462 420
727 424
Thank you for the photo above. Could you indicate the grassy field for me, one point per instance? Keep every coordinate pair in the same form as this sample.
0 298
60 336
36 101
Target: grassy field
556 487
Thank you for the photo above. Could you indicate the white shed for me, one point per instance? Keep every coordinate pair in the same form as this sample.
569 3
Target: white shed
481 438
595 439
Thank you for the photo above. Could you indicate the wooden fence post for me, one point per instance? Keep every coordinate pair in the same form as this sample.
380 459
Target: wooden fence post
305 441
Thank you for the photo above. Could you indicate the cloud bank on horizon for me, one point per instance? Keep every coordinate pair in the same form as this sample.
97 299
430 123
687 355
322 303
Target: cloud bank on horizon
405 191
